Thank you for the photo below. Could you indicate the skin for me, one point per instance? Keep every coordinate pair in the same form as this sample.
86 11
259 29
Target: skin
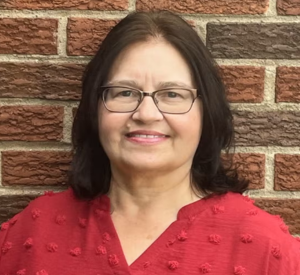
150 183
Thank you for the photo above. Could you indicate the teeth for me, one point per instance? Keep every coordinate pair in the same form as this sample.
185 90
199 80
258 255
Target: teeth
146 136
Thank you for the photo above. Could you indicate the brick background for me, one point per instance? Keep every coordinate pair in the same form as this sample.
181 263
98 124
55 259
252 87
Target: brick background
288 84
74 4
28 36
288 7
85 35
288 209
263 41
31 123
45 45
204 6
250 166
10 205
244 83
49 81
267 128
35 168
287 172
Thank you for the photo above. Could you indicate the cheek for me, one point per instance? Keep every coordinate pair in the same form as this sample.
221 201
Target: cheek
105 126
111 125
191 125
187 132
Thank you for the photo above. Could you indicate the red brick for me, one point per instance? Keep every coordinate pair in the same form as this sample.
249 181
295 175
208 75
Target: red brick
288 7
250 166
35 167
288 209
31 123
288 84
287 172
205 6
12 204
254 40
45 81
28 36
74 4
266 128
244 83
86 35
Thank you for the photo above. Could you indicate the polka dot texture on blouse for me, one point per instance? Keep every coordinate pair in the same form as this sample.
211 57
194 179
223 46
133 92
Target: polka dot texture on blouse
219 235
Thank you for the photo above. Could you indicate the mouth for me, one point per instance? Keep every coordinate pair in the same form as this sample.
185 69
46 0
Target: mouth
145 136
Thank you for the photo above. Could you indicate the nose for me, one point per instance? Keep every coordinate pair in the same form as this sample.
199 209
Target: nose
147 112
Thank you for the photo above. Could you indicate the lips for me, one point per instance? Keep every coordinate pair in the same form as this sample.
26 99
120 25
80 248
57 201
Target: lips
146 134
143 137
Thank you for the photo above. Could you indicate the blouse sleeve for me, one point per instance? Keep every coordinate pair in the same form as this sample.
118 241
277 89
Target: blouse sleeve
5 228
285 257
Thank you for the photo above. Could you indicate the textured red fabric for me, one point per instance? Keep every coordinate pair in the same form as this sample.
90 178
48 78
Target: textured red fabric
58 234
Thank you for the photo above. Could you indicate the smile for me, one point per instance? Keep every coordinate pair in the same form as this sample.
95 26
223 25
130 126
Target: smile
146 136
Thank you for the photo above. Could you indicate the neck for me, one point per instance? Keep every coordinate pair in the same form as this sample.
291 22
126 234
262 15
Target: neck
138 195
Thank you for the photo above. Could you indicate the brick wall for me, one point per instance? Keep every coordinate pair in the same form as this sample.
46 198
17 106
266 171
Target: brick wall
44 46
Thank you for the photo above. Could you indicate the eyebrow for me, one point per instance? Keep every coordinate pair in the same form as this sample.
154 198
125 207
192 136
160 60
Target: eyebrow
131 83
161 85
173 84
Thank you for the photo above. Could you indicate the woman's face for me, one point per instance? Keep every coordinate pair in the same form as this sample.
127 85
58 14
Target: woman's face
147 139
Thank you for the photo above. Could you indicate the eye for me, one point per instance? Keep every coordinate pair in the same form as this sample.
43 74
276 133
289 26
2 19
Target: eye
172 94
125 93
122 93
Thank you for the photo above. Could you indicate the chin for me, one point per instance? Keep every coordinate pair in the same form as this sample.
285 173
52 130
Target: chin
145 166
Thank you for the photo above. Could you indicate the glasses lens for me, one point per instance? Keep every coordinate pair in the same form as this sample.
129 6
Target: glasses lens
121 99
175 100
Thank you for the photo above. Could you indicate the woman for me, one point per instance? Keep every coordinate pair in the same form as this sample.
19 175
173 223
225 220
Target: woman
148 193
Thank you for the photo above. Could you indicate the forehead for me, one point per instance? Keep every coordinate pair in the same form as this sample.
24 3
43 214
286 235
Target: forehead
150 63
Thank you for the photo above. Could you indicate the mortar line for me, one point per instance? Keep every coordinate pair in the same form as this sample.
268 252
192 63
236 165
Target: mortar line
272 10
85 59
259 62
34 146
269 172
57 14
260 107
132 5
202 31
219 19
262 193
269 17
27 190
37 102
293 150
269 84
55 59
265 107
67 124
62 146
62 37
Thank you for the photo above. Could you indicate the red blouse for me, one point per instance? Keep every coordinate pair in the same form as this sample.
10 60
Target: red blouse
58 234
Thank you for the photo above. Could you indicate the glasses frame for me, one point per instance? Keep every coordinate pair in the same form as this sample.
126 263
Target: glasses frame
152 94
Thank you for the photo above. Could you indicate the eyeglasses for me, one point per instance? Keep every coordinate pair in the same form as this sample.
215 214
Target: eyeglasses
169 100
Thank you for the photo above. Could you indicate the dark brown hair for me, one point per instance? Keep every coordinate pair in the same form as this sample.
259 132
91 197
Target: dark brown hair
90 171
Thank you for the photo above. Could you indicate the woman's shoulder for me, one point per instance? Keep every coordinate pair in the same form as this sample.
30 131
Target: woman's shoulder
250 220
48 202
254 233
56 198
43 212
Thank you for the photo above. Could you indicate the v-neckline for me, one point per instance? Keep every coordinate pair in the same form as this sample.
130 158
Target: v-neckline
146 251
184 216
